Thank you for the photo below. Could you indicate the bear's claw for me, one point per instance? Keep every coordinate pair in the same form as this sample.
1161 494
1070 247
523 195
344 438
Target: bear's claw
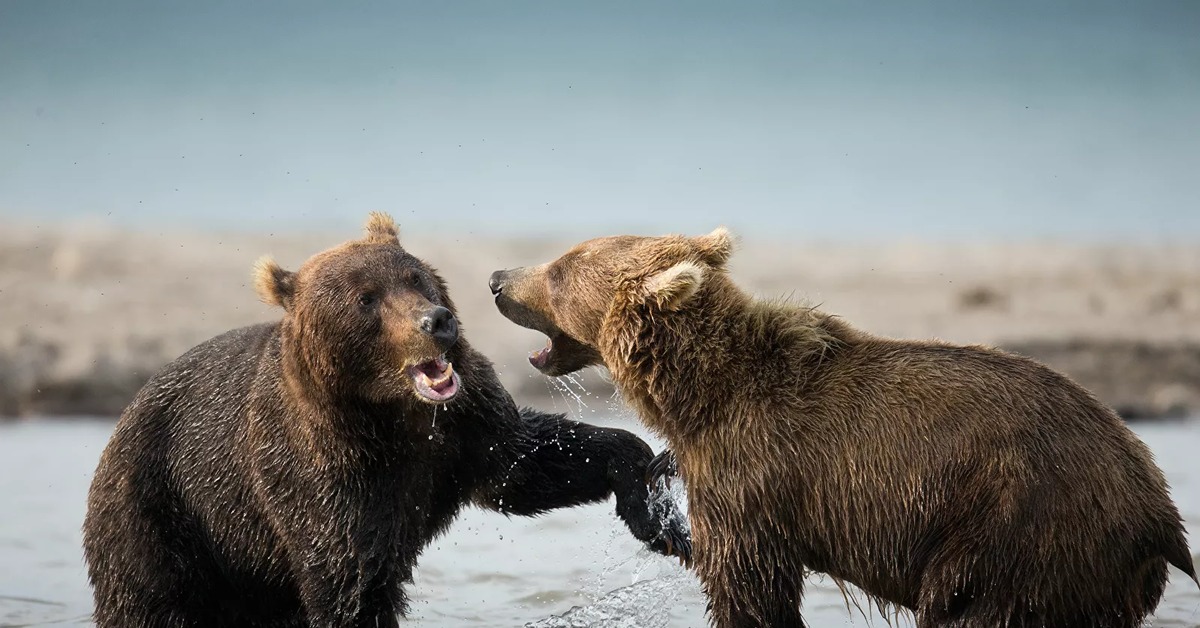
674 541
663 466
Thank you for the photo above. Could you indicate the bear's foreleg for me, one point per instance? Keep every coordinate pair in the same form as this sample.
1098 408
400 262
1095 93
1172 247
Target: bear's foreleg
548 462
337 533
745 593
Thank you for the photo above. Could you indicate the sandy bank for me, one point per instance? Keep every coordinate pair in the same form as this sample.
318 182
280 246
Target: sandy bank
87 314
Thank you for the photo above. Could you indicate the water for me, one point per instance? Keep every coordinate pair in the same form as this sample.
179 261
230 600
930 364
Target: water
487 571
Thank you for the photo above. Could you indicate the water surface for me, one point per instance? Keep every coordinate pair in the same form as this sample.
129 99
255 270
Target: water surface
488 570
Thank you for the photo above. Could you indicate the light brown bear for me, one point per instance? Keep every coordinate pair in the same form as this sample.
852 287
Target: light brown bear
972 486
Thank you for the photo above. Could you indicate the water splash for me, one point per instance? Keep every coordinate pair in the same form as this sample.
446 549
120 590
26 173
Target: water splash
671 501
655 582
644 604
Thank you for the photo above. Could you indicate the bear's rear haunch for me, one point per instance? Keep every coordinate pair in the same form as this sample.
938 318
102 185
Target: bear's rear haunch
289 474
975 487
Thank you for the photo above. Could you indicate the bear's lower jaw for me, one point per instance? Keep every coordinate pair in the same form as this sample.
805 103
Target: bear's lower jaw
435 380
540 358
563 355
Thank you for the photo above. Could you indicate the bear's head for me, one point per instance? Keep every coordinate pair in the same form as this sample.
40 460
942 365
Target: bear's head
365 320
570 298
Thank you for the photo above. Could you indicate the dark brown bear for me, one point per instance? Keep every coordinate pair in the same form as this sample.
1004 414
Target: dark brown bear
289 474
971 486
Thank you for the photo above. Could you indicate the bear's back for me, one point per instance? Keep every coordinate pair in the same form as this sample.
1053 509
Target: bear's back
176 459
921 405
991 445
199 398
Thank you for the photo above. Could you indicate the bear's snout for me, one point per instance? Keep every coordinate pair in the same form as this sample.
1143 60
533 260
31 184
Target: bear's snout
441 325
496 281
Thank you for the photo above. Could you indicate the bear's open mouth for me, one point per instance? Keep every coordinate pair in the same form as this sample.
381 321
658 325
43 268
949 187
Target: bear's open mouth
435 380
541 357
562 355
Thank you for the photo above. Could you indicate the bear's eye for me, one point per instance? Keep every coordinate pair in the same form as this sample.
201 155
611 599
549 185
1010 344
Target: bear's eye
366 299
414 279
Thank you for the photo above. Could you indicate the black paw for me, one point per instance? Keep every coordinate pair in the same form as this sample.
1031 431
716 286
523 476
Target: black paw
663 466
649 509
674 540
673 535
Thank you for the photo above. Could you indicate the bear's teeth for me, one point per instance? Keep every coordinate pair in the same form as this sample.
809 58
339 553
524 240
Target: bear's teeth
446 375
541 353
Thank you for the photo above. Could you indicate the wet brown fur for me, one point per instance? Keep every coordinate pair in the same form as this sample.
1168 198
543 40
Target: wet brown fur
972 486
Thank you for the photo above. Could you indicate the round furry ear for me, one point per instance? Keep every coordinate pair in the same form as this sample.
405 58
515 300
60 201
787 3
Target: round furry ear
381 229
275 286
715 248
671 288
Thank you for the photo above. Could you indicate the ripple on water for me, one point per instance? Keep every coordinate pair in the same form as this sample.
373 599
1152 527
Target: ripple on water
547 596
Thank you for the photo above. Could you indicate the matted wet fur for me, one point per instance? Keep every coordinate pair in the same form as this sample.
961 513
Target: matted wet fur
289 474
976 488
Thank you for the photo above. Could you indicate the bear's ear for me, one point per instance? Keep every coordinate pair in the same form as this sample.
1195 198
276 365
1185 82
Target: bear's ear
674 286
275 286
715 248
381 229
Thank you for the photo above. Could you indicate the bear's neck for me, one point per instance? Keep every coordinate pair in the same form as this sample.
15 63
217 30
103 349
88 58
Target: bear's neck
310 376
331 414
717 359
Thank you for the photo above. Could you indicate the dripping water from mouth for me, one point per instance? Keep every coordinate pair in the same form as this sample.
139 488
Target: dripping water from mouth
563 383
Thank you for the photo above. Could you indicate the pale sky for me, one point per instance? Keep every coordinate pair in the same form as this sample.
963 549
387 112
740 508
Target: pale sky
946 119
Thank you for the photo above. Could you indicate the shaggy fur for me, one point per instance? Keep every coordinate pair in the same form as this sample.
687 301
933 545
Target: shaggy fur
971 486
288 474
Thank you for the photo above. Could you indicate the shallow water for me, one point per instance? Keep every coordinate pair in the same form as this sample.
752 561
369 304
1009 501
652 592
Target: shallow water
487 571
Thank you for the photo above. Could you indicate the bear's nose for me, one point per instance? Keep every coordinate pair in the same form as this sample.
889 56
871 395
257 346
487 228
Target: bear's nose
440 324
496 283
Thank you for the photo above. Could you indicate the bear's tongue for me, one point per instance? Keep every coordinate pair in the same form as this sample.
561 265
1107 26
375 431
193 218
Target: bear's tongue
541 357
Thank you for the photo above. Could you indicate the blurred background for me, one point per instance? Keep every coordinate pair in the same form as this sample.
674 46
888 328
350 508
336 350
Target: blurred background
1013 173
